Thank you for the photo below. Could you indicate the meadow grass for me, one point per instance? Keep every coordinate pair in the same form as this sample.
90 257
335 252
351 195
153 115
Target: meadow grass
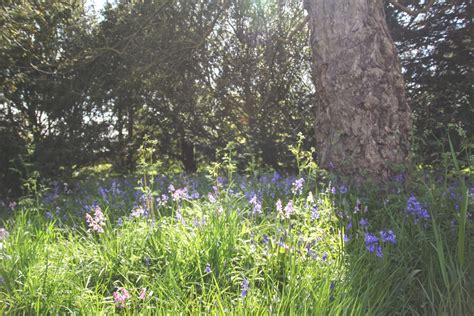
225 245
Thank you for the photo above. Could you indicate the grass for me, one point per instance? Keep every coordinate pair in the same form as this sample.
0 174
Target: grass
54 263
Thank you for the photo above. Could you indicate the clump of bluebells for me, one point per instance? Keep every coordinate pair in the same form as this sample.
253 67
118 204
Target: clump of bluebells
374 244
416 209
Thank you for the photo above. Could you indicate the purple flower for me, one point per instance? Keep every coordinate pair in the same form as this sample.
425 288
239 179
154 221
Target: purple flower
297 186
370 241
180 194
364 223
357 207
103 193
180 218
120 221
49 215
416 209
343 189
276 177
378 251
314 213
147 261
265 239
283 245
207 269
289 209
211 198
399 178
138 211
388 236
279 208
257 205
325 256
245 287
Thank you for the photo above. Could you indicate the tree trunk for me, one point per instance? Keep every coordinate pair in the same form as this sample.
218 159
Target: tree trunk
187 154
363 120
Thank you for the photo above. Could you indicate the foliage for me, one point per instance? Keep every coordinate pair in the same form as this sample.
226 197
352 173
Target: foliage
436 53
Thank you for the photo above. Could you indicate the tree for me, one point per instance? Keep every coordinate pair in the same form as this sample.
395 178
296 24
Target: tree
436 52
42 81
363 121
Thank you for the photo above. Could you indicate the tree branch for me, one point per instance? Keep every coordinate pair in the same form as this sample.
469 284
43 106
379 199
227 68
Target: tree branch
409 11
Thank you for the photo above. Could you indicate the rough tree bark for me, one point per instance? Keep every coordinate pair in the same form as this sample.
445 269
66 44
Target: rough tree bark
363 120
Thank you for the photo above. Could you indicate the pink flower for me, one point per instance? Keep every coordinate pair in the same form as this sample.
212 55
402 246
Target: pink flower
142 294
96 222
120 297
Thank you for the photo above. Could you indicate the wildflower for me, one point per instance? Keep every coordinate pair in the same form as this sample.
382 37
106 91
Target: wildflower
147 261
314 213
180 194
283 245
297 186
364 223
346 238
357 207
49 215
325 257
3 233
333 190
211 198
245 287
265 239
12 205
388 236
138 211
349 226
164 199
416 209
276 177
195 195
378 251
120 221
279 208
257 205
289 209
142 295
343 189
97 222
399 178
180 218
370 242
103 193
120 297
207 269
